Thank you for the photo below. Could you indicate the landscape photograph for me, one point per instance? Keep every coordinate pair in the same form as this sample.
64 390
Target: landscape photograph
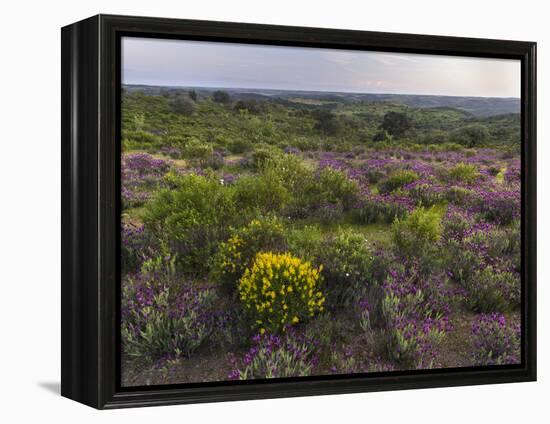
300 212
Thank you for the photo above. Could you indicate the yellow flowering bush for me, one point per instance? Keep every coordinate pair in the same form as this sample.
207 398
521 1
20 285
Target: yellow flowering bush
280 290
238 252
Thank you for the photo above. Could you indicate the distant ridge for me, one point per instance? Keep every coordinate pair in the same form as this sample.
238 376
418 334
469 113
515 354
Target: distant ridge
477 106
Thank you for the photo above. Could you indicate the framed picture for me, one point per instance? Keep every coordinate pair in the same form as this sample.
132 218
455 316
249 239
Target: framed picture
253 211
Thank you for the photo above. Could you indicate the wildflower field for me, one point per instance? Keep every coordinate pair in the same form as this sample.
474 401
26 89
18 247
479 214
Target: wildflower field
296 235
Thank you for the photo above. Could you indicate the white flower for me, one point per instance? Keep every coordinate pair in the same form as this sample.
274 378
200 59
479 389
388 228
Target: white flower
221 181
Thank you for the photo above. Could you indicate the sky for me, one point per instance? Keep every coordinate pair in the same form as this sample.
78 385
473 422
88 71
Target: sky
209 64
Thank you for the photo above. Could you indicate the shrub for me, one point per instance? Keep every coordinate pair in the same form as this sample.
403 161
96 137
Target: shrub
456 226
328 213
421 228
491 290
251 105
465 257
139 139
495 341
346 258
261 156
280 290
462 172
413 329
197 152
382 137
373 175
290 172
237 254
425 194
327 122
160 318
193 217
506 243
396 123
305 242
370 211
137 246
500 207
460 196
214 161
336 187
274 356
470 136
220 96
397 180
183 105
240 146
414 314
140 173
261 193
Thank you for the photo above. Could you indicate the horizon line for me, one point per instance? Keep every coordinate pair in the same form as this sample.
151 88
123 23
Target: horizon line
316 91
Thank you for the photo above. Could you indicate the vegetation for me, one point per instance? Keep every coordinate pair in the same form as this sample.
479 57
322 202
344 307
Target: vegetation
292 234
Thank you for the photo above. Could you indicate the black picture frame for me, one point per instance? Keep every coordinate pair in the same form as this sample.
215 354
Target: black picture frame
91 205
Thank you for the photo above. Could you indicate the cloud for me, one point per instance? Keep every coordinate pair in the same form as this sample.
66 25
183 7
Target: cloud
213 64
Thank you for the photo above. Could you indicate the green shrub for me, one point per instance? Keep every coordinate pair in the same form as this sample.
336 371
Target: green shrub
455 227
506 243
261 156
183 105
501 208
137 245
460 196
470 135
491 290
304 143
291 172
396 123
274 356
372 211
279 290
262 193
421 228
407 342
462 254
237 253
305 242
135 139
328 213
335 187
397 180
374 175
221 96
193 217
425 195
240 146
347 259
197 152
161 318
462 172
382 137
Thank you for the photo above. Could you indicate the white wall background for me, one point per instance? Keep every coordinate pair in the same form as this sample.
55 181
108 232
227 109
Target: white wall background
30 211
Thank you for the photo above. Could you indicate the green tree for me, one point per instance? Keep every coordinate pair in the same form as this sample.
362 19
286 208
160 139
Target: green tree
220 96
327 122
396 123
182 105
471 136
